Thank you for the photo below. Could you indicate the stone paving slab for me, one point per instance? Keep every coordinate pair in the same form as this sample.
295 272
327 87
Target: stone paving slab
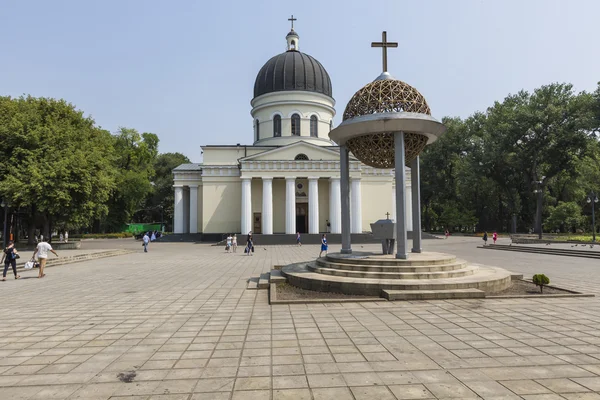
180 319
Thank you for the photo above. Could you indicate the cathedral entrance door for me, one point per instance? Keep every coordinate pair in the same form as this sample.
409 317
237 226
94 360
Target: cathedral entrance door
257 225
302 217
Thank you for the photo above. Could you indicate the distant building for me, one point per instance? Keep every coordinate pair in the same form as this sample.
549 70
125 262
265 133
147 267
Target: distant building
288 180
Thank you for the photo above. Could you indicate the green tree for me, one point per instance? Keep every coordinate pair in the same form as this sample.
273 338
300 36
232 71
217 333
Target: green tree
55 164
135 155
565 216
159 205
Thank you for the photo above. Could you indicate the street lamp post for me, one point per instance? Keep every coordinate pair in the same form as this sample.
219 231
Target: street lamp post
5 206
593 199
539 192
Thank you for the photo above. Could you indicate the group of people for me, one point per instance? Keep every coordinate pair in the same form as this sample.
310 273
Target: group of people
485 238
10 255
231 243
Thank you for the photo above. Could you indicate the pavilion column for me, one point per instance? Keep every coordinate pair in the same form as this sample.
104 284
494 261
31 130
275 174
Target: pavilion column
415 186
178 210
393 201
267 206
313 205
246 225
356 206
290 205
335 205
400 171
193 209
345 198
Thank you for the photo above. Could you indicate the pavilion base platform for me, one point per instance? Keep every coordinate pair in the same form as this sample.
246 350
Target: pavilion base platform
422 276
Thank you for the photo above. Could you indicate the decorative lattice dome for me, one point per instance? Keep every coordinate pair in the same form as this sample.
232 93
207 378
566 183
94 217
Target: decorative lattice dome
384 95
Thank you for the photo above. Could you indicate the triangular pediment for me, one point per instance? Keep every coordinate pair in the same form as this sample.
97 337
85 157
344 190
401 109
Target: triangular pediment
291 151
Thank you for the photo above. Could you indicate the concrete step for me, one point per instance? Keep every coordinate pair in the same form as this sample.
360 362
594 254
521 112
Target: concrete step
276 276
415 259
325 263
252 284
466 270
488 279
263 281
56 261
545 250
470 293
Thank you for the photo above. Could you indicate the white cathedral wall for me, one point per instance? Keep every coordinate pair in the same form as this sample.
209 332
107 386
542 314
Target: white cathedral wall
279 205
221 209
287 103
377 199
323 204
228 155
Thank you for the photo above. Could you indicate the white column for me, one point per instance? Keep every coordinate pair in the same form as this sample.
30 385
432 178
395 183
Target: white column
356 206
267 206
246 225
313 204
335 205
178 217
290 205
186 210
193 209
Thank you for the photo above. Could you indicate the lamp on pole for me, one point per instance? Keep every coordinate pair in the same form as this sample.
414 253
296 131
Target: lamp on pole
539 191
593 199
5 206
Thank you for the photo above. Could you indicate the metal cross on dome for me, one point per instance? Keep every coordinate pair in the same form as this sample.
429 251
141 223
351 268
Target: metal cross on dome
292 19
384 44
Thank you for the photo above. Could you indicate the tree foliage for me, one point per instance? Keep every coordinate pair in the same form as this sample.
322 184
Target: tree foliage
485 167
54 162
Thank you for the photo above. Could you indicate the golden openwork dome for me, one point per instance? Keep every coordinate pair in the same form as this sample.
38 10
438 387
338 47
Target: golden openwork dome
384 95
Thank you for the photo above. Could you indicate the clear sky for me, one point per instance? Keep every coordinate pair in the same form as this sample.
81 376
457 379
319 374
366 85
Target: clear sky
185 69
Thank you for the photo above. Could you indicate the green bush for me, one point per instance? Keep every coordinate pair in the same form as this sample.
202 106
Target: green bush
541 280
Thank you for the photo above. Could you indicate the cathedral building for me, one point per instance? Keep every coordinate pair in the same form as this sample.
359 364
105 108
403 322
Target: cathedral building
288 179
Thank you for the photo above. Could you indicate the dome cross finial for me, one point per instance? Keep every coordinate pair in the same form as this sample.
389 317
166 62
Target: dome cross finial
384 44
292 19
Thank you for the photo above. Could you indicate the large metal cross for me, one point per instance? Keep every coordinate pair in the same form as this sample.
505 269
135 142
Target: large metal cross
384 44
292 19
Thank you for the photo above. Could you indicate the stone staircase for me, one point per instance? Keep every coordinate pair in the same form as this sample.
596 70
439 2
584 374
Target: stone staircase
581 252
55 261
422 276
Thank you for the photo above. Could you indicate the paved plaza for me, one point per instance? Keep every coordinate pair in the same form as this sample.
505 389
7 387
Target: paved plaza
178 323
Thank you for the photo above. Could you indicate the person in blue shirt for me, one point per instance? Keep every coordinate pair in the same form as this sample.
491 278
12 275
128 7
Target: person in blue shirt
323 245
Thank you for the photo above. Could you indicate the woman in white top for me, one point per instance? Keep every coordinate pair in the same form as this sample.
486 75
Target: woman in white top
234 243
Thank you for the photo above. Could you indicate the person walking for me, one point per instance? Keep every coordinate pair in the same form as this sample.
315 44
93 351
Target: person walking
229 243
485 238
146 240
323 245
66 236
249 245
298 239
234 243
447 233
494 237
9 257
41 251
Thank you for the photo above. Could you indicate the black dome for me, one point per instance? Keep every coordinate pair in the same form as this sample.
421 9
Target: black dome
292 70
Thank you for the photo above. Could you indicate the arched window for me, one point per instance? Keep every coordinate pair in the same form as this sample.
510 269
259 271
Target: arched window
330 124
301 157
314 128
257 131
277 126
295 125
